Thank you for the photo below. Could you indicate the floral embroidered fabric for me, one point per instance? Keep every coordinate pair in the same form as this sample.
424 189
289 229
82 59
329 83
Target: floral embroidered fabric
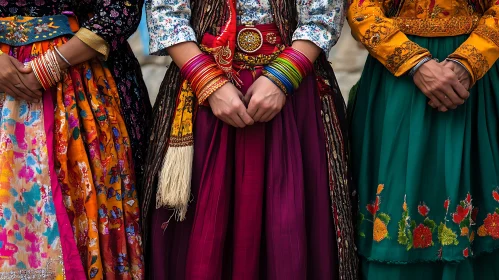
319 21
114 21
447 231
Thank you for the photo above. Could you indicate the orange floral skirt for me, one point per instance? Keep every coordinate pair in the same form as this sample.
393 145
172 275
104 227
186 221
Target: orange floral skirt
67 179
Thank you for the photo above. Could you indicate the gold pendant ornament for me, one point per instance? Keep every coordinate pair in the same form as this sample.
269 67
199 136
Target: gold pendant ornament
249 39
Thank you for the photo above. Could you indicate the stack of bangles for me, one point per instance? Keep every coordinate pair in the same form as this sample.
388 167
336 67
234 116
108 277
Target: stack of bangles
204 76
288 70
46 69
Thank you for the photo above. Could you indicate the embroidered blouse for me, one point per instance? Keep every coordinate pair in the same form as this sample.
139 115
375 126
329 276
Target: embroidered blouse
382 27
319 21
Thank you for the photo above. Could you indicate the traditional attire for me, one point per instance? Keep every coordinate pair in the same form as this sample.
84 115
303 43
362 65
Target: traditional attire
427 180
68 198
270 201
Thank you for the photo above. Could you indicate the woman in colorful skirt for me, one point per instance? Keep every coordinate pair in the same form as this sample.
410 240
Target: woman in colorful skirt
247 169
425 146
70 89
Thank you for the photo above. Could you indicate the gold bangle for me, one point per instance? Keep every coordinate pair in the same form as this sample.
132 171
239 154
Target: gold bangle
209 89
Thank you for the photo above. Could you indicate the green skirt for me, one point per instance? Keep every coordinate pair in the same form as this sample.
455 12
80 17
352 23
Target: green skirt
427 181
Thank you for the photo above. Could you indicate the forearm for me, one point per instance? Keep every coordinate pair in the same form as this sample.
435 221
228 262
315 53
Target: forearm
309 49
181 53
75 52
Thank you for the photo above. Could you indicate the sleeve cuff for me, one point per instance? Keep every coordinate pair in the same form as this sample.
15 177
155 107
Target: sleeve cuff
478 54
94 41
317 35
163 40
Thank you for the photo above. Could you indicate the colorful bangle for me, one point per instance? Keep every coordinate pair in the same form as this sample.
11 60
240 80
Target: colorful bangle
46 69
288 70
210 88
203 75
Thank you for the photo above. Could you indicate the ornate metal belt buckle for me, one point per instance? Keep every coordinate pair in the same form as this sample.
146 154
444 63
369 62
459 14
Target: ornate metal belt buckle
249 39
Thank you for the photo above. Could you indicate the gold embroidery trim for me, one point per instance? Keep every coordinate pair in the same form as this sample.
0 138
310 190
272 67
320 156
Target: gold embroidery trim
488 33
401 54
437 27
94 41
248 60
475 59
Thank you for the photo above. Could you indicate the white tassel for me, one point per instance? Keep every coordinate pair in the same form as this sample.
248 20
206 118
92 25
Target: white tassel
174 184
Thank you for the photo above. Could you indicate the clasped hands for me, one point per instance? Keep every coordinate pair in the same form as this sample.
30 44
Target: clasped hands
17 80
262 102
446 84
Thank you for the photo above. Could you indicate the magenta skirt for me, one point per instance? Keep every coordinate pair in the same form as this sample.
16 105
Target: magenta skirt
261 207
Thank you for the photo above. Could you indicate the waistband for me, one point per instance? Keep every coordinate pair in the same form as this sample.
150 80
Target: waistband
255 45
20 31
437 27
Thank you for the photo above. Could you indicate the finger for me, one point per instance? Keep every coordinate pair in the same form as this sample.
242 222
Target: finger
434 100
432 104
443 109
237 120
36 93
19 95
252 108
259 115
20 67
15 91
16 86
22 87
228 121
462 92
445 99
245 117
268 116
247 98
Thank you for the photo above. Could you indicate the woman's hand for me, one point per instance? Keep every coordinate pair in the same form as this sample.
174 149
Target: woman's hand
11 82
462 74
265 100
31 82
227 105
441 85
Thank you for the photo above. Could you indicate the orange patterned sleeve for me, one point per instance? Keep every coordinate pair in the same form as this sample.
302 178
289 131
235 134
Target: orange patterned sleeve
382 38
481 50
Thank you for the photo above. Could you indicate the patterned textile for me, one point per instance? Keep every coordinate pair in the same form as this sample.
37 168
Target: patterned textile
29 234
93 162
319 21
207 14
114 21
382 27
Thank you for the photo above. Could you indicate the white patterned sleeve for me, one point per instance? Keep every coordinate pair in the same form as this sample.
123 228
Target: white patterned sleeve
320 21
169 24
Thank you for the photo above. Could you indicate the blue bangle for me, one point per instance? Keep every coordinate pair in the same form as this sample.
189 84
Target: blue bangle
281 77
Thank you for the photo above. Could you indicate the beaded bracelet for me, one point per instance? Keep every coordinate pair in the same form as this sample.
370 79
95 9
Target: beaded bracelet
288 70
46 69
204 76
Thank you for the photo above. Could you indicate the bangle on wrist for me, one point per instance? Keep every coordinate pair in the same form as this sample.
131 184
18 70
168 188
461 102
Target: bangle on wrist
61 56
460 64
420 63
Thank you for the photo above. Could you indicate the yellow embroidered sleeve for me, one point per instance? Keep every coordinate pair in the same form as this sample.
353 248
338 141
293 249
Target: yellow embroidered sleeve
481 50
94 41
382 38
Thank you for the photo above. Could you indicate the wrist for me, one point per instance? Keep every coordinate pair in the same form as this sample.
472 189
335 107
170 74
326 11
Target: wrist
415 69
61 60
460 64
